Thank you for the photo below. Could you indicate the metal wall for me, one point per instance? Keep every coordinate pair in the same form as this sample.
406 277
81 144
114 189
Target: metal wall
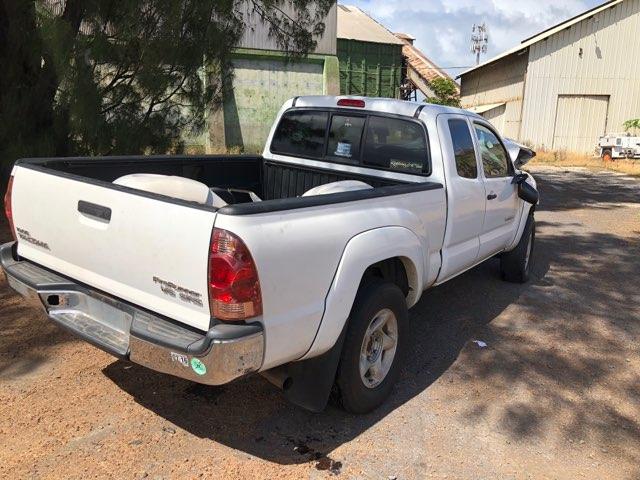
572 72
369 69
579 120
499 82
256 33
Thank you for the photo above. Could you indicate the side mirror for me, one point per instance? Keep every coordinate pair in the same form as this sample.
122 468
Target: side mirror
520 178
527 193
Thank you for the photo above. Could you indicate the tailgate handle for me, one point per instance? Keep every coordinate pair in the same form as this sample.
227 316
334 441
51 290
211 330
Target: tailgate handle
94 210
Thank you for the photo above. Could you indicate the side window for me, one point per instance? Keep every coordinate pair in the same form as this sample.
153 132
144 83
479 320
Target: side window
495 160
463 150
395 144
345 134
301 133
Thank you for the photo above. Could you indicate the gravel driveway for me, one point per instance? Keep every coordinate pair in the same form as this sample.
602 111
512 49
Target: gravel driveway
555 393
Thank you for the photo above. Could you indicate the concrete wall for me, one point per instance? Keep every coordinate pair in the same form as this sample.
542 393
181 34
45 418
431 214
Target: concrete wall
597 57
499 82
262 82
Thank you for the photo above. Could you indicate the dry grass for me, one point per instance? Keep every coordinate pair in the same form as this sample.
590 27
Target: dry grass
568 159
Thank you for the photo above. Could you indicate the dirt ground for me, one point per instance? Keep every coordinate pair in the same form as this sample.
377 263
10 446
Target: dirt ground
554 394
566 159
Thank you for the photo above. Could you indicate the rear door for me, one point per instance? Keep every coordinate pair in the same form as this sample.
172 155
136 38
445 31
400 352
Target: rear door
502 203
465 196
137 247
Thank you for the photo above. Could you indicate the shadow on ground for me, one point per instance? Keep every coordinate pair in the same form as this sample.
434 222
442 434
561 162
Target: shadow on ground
584 190
25 332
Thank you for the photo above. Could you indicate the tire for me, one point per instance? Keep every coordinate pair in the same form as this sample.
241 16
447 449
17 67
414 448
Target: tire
375 302
607 157
516 264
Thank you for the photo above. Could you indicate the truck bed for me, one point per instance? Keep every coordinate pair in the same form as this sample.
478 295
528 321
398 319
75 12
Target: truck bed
129 243
272 181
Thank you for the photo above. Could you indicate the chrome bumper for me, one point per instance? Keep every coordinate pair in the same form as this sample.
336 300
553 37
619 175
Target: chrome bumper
223 354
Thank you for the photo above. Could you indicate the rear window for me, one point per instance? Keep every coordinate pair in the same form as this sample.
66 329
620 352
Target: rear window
301 134
395 144
369 140
345 135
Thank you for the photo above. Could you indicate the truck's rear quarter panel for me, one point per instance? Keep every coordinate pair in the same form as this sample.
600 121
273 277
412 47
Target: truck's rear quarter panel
298 251
146 241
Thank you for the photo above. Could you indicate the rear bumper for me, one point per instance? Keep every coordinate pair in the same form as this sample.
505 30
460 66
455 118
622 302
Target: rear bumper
223 354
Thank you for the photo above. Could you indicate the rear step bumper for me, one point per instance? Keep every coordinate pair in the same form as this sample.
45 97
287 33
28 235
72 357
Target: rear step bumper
223 354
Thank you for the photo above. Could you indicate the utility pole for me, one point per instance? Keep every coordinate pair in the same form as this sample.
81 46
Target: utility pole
479 40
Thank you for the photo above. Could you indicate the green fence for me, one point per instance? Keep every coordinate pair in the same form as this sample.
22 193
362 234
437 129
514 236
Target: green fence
369 69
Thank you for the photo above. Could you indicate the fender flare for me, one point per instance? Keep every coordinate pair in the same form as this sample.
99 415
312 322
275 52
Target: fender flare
362 251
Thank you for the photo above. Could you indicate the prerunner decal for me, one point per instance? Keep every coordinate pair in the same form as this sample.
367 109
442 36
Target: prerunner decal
184 294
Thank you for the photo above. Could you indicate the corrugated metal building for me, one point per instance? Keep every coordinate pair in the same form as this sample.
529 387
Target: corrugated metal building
370 56
564 87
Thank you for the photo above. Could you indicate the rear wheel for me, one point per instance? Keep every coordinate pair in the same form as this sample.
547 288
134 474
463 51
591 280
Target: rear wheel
516 264
375 343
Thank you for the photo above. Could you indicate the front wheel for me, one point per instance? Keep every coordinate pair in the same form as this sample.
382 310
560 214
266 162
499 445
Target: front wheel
516 264
373 349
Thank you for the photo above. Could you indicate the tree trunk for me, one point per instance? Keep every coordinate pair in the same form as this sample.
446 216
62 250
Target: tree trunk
49 120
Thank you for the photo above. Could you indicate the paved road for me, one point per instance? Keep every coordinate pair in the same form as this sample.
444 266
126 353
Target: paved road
555 394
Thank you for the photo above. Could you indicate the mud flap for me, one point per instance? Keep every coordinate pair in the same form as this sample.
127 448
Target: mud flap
312 380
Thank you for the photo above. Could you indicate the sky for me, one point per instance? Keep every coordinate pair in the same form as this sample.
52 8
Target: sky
443 27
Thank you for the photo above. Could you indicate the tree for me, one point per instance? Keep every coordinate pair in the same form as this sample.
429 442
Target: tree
102 77
446 92
632 124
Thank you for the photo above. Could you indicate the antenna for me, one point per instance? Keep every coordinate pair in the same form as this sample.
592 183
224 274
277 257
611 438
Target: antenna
479 40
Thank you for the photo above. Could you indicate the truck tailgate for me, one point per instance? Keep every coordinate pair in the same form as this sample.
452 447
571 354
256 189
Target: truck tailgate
140 248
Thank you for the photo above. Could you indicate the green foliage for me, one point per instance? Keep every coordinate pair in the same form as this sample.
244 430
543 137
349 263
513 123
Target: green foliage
446 92
632 124
98 77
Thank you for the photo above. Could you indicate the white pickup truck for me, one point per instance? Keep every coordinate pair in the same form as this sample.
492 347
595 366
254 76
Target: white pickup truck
299 264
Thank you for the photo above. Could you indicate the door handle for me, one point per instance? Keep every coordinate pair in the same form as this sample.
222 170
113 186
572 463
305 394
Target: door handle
94 210
492 196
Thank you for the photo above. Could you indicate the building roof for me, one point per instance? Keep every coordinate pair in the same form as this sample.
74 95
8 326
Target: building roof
354 24
527 42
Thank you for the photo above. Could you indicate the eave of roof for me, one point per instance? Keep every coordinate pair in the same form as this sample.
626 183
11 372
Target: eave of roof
354 24
485 108
526 43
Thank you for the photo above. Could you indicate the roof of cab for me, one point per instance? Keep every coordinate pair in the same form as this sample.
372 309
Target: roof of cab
383 105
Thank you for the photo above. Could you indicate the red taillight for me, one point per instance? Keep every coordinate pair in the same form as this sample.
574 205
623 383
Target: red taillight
7 207
234 288
351 102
